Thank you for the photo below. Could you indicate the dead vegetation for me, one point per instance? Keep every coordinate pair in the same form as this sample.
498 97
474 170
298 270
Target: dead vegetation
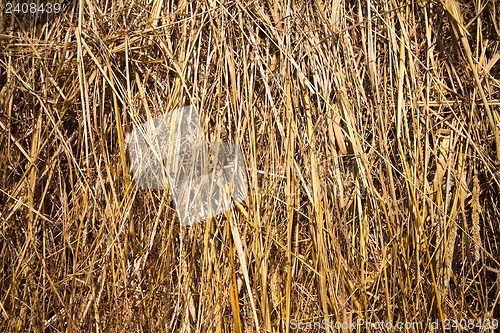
370 130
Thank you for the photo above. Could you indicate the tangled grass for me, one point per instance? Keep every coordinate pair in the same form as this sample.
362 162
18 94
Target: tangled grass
370 130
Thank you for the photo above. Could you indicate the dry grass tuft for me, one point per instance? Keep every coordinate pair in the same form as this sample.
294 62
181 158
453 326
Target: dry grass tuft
371 134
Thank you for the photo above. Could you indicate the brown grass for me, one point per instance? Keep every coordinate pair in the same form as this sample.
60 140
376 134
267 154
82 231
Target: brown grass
370 130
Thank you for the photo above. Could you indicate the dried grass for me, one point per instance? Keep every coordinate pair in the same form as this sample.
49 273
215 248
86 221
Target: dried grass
371 135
